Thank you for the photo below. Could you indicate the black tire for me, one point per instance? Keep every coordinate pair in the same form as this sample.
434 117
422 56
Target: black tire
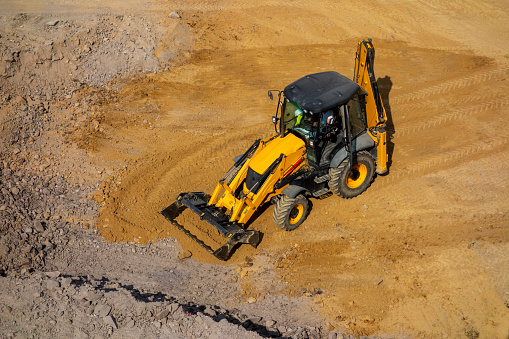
289 212
350 183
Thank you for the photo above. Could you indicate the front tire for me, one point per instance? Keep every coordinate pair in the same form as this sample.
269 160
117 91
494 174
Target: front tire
290 212
350 182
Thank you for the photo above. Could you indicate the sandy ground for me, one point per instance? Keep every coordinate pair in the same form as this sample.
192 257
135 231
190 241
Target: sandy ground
423 253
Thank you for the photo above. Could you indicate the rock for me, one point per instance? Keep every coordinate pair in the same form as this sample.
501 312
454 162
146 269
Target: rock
174 307
16 150
210 312
84 303
175 327
129 322
52 284
185 254
270 323
49 245
333 335
255 319
3 208
15 190
174 15
54 274
4 250
110 321
251 300
163 314
19 100
38 226
89 310
93 296
102 310
313 333
66 282
52 23
28 230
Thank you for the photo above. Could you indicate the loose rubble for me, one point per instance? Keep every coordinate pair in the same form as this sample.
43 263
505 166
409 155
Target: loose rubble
82 306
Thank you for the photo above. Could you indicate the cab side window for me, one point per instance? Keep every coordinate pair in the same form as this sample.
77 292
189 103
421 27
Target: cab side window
356 115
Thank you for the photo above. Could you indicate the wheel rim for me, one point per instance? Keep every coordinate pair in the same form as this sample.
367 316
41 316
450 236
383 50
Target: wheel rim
296 214
356 176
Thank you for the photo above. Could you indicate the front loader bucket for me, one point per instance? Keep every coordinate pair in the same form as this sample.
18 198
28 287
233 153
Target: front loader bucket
197 202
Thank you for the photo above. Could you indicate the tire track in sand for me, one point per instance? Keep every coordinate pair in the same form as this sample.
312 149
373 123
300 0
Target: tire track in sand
439 160
476 79
413 127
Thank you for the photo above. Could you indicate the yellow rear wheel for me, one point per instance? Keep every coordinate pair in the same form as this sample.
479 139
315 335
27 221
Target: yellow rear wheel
356 176
348 182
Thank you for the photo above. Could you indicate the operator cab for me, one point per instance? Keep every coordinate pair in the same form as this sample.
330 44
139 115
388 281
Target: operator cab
317 107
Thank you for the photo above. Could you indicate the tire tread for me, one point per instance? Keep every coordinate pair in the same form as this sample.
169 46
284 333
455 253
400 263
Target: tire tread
283 207
335 182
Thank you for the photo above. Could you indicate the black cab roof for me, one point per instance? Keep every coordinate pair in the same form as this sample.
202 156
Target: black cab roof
319 92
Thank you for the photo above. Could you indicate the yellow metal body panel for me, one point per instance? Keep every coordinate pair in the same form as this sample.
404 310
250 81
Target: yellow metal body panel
268 154
269 150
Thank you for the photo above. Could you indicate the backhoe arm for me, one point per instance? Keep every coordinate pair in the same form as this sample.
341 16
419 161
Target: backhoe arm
376 117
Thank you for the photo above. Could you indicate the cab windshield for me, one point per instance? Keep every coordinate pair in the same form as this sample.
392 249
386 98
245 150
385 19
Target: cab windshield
297 120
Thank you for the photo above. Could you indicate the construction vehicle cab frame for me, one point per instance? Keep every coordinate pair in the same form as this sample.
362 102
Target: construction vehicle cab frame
330 136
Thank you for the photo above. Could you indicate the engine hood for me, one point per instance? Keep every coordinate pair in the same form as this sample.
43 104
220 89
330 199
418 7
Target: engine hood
286 145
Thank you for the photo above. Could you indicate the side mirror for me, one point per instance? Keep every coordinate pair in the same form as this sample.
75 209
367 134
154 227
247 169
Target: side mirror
271 96
275 120
312 143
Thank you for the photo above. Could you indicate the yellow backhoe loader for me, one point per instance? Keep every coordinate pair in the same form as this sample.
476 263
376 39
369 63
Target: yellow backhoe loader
330 136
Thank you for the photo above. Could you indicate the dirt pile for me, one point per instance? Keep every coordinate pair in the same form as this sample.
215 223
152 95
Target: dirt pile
68 52
36 205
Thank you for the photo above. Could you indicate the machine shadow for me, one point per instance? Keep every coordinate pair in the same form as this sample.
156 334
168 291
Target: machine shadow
384 87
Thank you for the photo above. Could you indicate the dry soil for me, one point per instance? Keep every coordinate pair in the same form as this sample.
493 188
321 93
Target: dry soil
162 103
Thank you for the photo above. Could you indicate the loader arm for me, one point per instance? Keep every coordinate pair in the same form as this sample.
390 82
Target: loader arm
376 117
232 203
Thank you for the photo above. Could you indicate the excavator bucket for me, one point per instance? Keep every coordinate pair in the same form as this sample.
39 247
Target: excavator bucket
197 202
